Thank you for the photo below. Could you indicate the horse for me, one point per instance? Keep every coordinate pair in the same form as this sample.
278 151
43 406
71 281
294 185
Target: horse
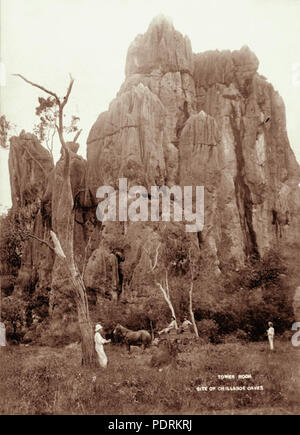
132 338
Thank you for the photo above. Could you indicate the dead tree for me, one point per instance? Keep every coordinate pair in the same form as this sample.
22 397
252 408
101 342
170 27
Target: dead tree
63 238
164 288
166 293
191 297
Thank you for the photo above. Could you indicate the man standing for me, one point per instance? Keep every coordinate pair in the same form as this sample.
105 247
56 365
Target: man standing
99 342
271 333
2 334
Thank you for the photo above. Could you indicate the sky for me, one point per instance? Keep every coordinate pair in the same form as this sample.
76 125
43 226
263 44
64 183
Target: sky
45 40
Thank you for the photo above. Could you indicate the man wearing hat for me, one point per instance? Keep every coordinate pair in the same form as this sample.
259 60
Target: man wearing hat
172 325
99 342
270 334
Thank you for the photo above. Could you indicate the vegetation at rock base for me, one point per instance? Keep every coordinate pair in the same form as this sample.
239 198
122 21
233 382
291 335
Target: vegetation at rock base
6 128
239 302
179 119
43 380
10 242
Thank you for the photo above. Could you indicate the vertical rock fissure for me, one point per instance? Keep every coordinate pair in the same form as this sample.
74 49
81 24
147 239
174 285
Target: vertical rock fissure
200 239
243 194
120 258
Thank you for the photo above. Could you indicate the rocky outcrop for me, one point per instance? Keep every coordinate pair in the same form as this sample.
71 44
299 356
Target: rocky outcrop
161 47
217 123
128 141
199 166
102 274
29 166
207 119
36 187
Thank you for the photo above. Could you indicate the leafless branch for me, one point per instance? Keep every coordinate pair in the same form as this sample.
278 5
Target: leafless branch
153 266
38 86
191 296
77 135
167 284
156 257
39 240
66 97
66 235
35 160
168 300
85 256
61 104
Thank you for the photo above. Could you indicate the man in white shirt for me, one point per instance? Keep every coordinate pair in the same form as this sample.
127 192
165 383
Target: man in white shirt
2 334
172 325
185 326
99 342
271 333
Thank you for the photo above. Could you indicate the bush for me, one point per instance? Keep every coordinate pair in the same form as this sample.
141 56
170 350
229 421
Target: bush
14 317
285 336
10 243
208 329
246 299
237 336
108 313
58 333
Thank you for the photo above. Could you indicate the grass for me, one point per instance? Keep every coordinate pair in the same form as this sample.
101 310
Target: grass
42 380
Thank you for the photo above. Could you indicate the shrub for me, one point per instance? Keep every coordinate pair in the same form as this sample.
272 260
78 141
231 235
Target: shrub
161 357
208 329
59 333
10 242
13 315
247 298
237 336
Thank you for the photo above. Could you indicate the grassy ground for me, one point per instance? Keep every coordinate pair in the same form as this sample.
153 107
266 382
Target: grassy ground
42 380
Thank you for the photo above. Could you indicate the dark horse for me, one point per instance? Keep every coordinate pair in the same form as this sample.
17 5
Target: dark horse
132 338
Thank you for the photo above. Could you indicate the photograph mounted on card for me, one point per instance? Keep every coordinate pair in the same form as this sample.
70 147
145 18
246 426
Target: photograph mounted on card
150 209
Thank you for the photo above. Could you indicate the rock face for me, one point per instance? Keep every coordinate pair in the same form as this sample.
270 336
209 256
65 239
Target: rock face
203 119
36 185
30 167
180 118
162 46
132 141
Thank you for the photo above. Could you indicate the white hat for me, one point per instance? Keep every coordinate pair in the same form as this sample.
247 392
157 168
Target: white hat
97 327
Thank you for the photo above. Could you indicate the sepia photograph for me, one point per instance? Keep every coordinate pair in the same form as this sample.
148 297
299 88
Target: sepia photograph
149 210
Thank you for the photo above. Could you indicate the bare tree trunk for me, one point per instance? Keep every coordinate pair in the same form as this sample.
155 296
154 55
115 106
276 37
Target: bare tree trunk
191 297
80 296
86 330
165 291
63 224
168 300
191 309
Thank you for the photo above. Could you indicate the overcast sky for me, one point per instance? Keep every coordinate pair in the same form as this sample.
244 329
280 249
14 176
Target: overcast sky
46 39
